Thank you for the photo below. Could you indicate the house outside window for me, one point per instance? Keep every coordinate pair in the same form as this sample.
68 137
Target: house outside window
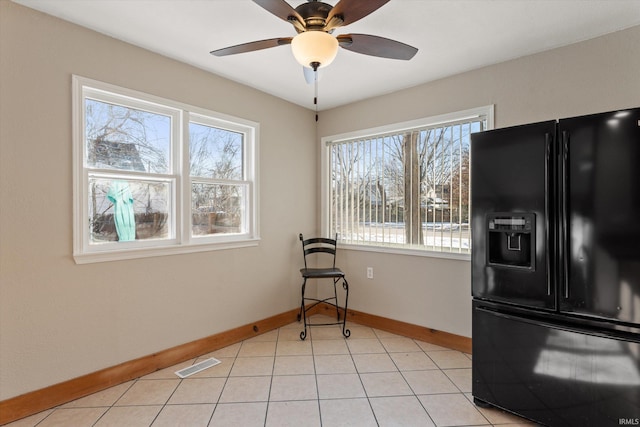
404 187
156 177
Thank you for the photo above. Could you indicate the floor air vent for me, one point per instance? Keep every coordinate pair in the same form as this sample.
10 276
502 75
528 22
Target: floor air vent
200 366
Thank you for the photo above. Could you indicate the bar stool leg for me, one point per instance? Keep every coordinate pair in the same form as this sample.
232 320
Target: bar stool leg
303 334
346 332
335 297
302 301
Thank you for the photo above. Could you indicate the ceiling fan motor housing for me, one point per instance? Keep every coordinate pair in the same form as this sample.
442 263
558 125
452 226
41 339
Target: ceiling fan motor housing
315 14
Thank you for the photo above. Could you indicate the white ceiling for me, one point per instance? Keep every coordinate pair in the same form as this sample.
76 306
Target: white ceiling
452 36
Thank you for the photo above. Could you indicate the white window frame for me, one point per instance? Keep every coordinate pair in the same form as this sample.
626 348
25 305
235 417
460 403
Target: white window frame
180 240
325 173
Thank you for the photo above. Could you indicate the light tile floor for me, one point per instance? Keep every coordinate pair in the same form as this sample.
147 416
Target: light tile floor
373 378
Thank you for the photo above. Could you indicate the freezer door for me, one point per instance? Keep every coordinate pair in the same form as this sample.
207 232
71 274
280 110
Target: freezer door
553 373
600 196
511 214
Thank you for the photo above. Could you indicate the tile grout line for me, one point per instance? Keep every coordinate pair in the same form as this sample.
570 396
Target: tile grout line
414 393
362 382
454 384
165 403
226 380
411 388
60 407
315 377
273 371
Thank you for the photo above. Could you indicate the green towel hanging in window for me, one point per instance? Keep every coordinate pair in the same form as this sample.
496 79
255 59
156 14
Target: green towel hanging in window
120 195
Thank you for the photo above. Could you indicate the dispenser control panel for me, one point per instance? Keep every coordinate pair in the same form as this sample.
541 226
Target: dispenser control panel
512 223
511 240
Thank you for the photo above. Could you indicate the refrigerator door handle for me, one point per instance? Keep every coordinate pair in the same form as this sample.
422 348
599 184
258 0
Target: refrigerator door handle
565 190
548 141
560 324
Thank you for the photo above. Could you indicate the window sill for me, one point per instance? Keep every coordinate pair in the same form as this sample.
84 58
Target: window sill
106 256
406 251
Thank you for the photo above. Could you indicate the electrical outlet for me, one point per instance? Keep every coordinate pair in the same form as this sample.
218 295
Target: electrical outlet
369 272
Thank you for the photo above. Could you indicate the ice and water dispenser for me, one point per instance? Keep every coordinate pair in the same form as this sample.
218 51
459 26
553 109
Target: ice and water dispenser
511 240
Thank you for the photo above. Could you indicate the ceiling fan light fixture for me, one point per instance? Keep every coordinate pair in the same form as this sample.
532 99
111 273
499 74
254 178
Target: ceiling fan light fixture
314 47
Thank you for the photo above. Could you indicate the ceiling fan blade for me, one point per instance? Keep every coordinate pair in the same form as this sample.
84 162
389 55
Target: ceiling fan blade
376 46
281 9
352 10
252 46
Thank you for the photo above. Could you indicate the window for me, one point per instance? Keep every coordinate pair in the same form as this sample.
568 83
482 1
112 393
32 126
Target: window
403 187
157 177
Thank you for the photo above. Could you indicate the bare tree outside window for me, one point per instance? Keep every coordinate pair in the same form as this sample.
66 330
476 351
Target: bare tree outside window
126 139
408 189
216 164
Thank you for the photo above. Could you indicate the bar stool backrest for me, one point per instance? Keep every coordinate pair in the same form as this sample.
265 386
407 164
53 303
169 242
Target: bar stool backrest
319 245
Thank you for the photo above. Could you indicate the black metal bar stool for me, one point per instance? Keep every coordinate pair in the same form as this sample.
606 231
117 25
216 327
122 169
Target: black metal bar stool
328 247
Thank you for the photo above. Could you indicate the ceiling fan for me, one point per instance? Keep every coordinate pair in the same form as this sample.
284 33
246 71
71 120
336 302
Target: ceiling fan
315 21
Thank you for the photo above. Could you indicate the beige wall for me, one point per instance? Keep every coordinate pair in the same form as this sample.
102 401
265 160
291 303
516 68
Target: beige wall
59 320
589 77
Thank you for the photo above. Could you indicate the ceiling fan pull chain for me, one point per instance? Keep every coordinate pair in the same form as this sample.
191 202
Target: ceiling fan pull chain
315 96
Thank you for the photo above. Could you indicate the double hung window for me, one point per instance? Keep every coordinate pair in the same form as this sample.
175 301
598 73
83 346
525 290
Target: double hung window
404 186
156 177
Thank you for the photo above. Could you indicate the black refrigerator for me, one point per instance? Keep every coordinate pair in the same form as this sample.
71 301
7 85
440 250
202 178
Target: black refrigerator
556 269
